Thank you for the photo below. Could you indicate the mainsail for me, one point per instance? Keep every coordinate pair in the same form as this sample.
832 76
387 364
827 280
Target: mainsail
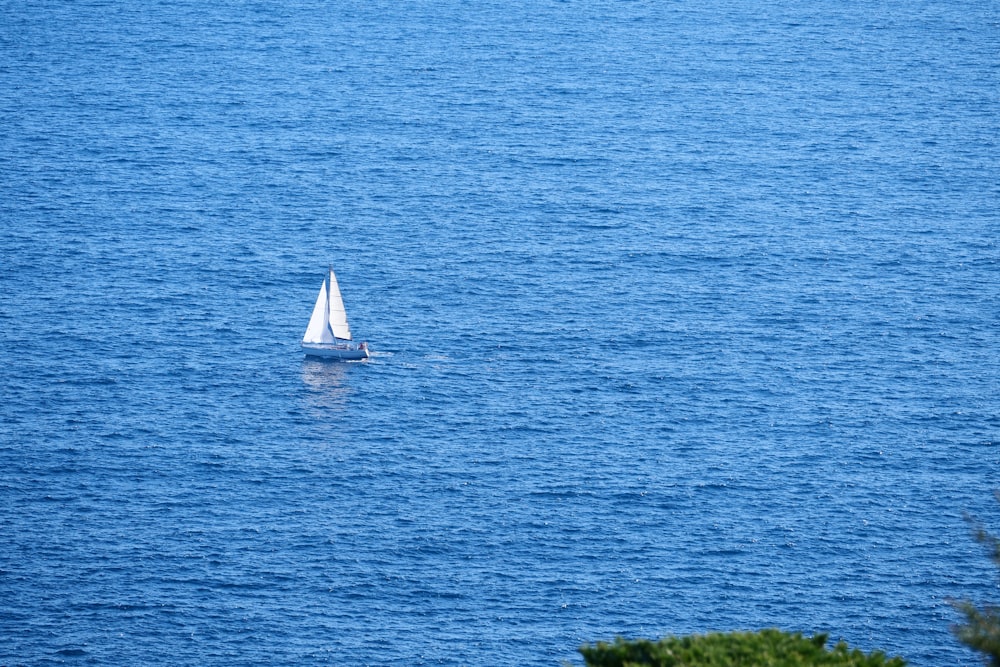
329 319
337 316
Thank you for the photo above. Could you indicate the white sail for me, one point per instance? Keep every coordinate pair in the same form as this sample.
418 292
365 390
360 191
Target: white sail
318 330
329 319
338 315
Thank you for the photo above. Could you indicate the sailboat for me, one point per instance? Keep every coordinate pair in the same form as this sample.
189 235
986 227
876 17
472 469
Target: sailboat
328 334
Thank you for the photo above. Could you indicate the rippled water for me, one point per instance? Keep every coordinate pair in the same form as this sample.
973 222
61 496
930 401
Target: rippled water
685 319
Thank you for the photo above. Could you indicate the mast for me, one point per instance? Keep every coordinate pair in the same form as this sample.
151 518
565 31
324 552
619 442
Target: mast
326 306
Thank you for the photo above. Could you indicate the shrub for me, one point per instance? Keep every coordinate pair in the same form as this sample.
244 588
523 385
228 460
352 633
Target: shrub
767 648
981 630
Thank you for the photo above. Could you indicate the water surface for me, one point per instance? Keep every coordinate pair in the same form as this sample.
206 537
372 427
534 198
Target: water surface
685 319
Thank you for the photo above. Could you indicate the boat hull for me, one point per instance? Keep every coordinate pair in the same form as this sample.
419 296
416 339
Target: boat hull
345 352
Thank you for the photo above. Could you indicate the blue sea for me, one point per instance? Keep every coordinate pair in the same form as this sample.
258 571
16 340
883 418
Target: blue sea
685 318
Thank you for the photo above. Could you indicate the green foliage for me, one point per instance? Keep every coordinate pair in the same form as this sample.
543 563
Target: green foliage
981 630
767 648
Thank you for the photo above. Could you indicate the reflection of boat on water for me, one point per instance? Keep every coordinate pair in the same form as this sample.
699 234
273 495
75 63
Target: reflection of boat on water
326 385
328 335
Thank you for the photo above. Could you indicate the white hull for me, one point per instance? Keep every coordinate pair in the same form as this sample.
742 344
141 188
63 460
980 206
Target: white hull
345 352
